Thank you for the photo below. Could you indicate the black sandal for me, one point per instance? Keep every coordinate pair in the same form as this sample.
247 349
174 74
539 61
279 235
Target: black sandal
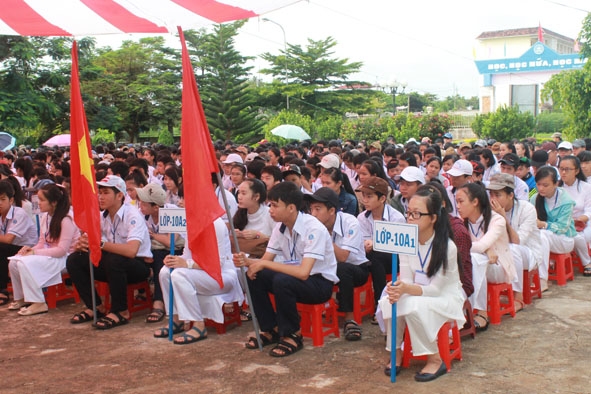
266 341
155 316
587 270
477 325
106 323
84 317
287 348
245 316
188 338
352 330
4 300
177 328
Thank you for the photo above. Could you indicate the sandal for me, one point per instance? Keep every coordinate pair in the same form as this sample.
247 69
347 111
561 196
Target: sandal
155 316
4 299
16 305
185 339
284 348
106 323
587 270
519 305
477 325
245 316
84 317
177 328
266 341
352 330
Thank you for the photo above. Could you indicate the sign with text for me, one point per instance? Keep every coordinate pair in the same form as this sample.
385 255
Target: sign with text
399 238
172 220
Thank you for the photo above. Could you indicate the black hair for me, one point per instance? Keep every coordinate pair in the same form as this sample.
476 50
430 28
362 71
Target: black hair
137 177
543 172
274 171
442 228
141 163
174 173
584 156
476 190
432 159
488 156
255 167
19 195
360 158
119 168
444 196
26 166
375 169
240 219
56 194
409 157
6 188
287 192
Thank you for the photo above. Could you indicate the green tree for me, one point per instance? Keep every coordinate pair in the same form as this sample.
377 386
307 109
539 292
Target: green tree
505 124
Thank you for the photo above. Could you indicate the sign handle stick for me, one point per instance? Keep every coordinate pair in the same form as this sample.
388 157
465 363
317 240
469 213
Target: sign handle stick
255 322
394 317
170 292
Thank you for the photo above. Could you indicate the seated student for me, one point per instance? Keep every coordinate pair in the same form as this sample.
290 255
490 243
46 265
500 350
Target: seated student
410 180
172 180
151 198
190 283
293 173
271 175
17 230
554 209
306 275
525 241
509 164
232 204
338 182
492 260
429 291
41 266
459 175
135 179
373 197
525 175
125 244
352 267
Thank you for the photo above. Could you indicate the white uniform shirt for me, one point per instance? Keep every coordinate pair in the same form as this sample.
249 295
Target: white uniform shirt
19 223
523 219
308 238
128 225
521 189
346 234
580 192
365 219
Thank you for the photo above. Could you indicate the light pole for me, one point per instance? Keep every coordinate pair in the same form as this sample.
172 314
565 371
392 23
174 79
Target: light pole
392 88
285 52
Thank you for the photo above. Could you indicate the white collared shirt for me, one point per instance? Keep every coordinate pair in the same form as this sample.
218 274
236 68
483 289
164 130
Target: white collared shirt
346 234
19 223
128 225
366 220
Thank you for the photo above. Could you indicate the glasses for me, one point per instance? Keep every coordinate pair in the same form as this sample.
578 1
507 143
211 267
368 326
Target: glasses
563 169
416 215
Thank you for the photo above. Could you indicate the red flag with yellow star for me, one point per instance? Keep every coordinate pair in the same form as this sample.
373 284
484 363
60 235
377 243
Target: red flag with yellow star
83 181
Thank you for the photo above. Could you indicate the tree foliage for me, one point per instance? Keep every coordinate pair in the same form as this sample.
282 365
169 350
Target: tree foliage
505 124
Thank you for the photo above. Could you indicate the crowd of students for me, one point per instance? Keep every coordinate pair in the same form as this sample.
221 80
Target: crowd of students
303 215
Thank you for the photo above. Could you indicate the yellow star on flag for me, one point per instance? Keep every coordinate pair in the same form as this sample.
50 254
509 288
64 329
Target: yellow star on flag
85 168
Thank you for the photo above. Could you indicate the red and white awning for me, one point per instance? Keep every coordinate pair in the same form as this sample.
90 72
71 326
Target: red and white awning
95 17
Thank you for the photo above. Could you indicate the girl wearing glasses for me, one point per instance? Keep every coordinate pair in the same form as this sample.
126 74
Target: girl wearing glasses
573 181
429 291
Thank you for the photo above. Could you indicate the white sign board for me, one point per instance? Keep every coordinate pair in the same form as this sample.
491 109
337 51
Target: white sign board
401 238
172 220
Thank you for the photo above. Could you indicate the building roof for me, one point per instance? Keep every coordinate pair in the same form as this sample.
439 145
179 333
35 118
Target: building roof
520 32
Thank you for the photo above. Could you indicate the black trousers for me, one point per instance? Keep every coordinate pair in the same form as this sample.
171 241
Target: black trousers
6 251
381 265
350 276
114 269
288 291
158 255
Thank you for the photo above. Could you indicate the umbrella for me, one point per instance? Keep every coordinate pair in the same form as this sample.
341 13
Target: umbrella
59 140
7 141
290 132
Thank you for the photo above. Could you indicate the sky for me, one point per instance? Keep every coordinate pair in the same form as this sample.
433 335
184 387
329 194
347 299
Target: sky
427 44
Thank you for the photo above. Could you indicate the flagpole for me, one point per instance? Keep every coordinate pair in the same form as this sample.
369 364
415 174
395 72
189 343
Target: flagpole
255 322
94 318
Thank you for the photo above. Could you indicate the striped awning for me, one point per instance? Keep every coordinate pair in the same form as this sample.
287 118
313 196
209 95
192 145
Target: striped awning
96 17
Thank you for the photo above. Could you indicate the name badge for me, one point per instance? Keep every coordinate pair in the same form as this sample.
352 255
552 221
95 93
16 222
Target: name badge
421 278
291 262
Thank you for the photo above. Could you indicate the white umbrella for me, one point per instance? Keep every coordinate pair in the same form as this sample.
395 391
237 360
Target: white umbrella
291 132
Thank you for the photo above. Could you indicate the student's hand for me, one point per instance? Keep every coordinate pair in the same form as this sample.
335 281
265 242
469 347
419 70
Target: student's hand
541 225
494 204
249 234
26 251
175 262
253 268
395 291
82 244
492 256
368 243
240 260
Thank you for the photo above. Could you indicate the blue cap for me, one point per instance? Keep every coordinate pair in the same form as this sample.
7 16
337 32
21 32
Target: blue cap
448 135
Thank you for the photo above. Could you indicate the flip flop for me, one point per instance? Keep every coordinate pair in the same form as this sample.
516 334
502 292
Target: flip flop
187 338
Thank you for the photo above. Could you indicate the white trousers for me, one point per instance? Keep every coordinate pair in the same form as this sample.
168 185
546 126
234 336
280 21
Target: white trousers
524 260
30 274
582 249
559 244
482 273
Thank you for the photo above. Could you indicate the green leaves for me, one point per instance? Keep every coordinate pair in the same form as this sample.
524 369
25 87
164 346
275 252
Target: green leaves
505 124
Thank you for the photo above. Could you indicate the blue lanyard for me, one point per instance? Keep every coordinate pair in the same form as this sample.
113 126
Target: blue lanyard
477 233
155 228
424 261
292 250
114 227
5 223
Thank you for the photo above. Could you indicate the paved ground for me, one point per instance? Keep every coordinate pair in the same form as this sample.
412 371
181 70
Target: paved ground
545 348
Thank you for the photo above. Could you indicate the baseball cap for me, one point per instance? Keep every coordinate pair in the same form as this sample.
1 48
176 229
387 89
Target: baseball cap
511 159
153 193
374 185
42 182
548 146
413 174
251 156
411 139
109 157
448 135
292 169
565 145
233 158
557 135
500 181
461 167
376 145
579 143
324 194
496 148
330 161
113 181
539 158
481 143
477 167
464 145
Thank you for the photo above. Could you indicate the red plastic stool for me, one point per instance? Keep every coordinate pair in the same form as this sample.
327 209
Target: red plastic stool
577 260
133 305
60 292
496 308
469 328
531 286
316 326
562 269
449 348
229 318
365 308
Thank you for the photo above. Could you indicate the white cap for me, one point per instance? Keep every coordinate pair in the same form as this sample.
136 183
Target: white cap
330 161
461 167
113 181
413 174
251 156
233 158
565 145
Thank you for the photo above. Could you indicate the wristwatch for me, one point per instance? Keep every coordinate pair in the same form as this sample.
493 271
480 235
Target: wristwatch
102 244
190 263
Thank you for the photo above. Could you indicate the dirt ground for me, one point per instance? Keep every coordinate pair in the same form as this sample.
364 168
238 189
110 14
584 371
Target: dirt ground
545 348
